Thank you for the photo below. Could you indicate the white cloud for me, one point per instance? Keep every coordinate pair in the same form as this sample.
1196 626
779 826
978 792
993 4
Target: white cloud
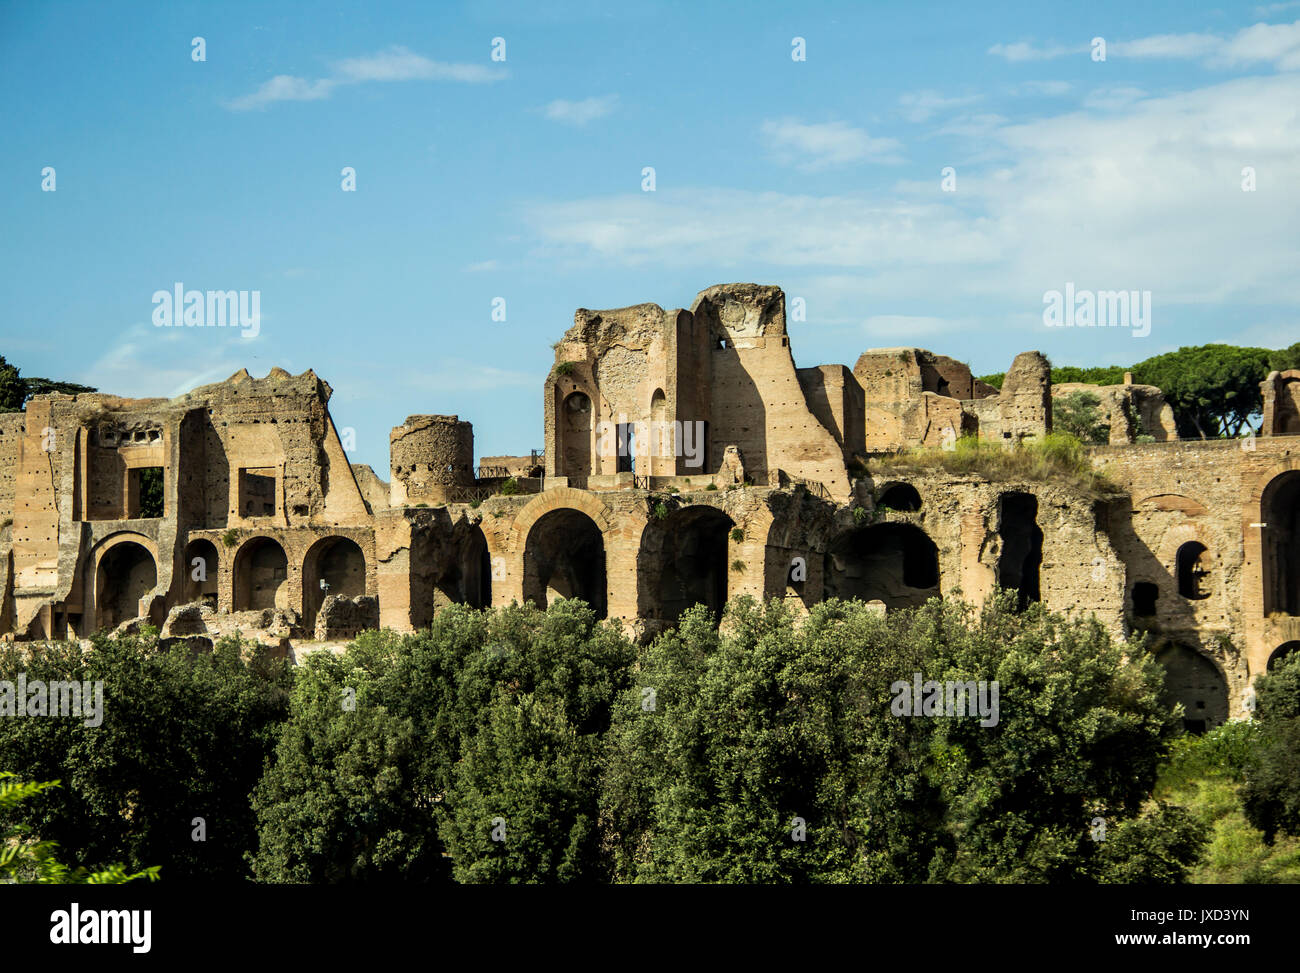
1146 197
823 145
1109 99
1051 89
1167 45
400 64
394 64
1276 44
283 87
921 106
1024 51
580 112
150 362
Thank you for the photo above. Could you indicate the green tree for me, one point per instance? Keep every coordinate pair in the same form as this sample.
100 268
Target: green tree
1103 375
15 390
1213 389
494 714
1271 794
772 722
27 860
1285 359
1079 415
183 736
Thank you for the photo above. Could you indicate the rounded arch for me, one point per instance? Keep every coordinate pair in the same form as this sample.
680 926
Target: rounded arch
334 565
1195 681
564 557
895 563
900 496
682 561
1283 651
1279 511
261 575
126 569
1191 565
559 498
576 424
201 575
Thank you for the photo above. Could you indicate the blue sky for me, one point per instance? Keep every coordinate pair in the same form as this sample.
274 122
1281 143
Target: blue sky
522 179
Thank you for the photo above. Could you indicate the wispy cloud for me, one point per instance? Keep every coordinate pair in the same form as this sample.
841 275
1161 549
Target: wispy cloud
1025 51
921 106
1150 190
1276 44
283 87
580 112
394 64
824 145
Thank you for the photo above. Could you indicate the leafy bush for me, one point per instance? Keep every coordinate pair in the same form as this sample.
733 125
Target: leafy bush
1079 414
768 725
182 736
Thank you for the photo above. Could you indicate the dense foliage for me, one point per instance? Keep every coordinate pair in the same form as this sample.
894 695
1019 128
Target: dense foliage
182 737
517 745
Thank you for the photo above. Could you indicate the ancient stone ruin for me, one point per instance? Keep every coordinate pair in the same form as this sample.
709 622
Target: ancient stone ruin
687 460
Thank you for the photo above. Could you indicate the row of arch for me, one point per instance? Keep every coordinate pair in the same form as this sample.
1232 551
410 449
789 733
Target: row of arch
127 571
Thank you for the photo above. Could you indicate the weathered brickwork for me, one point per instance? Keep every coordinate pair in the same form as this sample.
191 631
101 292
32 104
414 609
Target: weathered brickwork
687 461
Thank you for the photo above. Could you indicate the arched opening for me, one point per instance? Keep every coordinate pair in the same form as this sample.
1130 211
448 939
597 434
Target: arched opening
467 578
126 574
575 435
261 576
1145 594
1194 681
201 573
897 564
333 566
1280 505
1189 570
901 496
1281 653
564 557
1022 546
683 562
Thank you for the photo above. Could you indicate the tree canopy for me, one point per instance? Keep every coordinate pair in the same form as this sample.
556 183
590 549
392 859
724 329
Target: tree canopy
16 390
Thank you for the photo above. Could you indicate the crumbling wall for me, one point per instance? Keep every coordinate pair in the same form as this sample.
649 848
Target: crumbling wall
1281 392
1025 402
430 457
758 402
341 617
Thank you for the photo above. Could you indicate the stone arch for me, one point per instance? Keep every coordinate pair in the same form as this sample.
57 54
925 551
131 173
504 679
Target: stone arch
1194 680
125 570
900 496
1283 651
576 425
564 556
340 563
558 499
261 575
895 563
1191 565
1279 511
683 561
205 587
